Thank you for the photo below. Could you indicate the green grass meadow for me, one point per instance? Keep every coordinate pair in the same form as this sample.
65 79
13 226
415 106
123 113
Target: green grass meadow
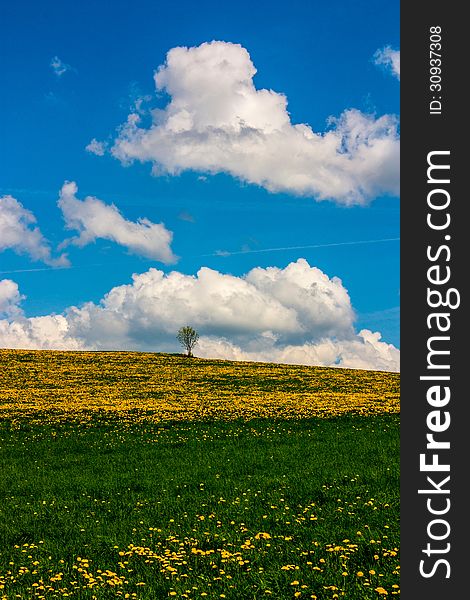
253 509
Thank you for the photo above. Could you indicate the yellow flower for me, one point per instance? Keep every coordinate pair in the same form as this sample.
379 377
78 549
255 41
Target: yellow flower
381 590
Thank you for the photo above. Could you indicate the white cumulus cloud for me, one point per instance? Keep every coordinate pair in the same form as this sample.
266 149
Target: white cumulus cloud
17 331
50 332
390 59
295 315
364 351
93 219
18 232
217 121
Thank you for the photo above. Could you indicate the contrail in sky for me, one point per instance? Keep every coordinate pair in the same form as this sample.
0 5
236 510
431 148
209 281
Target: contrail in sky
357 242
34 270
220 253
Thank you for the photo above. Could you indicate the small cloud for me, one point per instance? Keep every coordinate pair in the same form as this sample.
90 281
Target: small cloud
94 219
390 59
59 67
222 253
96 147
138 103
18 232
185 216
135 100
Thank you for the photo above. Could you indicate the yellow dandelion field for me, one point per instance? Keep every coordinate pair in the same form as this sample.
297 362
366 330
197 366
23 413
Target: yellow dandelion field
172 388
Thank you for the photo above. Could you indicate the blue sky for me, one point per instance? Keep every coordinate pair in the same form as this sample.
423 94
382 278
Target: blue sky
73 73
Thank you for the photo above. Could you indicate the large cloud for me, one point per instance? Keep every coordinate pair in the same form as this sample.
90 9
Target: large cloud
294 315
19 233
217 121
93 219
390 59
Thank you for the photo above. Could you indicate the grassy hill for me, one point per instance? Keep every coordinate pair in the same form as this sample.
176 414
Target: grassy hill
164 387
150 476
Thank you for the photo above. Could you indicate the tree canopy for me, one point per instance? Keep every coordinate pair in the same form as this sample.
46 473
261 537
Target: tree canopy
188 338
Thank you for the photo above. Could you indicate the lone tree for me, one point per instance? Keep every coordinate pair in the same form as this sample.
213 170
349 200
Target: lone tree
187 337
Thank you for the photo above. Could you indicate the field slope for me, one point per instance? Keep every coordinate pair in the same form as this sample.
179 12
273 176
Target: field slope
129 475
